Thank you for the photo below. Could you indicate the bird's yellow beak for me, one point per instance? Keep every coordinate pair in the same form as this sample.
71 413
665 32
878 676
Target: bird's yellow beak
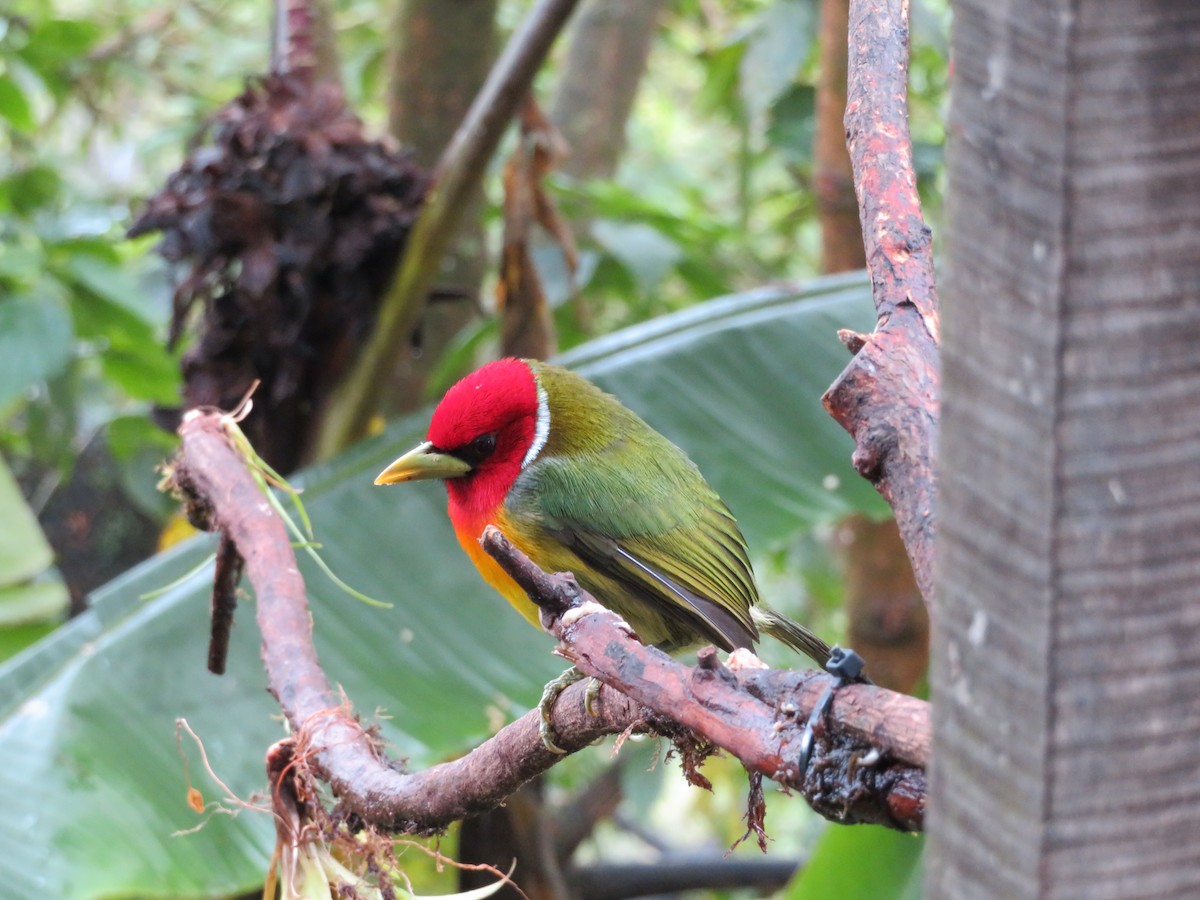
420 463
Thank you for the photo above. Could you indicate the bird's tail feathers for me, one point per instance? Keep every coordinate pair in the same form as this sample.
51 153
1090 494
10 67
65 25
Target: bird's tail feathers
791 633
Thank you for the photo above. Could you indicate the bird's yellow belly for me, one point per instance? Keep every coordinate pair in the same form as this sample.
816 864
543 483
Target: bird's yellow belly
496 576
552 556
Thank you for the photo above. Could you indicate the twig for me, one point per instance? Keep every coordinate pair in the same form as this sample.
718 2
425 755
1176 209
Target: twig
887 397
671 876
457 174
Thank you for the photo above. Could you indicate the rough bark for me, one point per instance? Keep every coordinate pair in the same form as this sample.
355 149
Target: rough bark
610 44
874 742
1067 651
886 619
870 748
887 397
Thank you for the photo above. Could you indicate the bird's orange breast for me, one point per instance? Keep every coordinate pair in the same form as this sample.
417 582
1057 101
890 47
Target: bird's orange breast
468 531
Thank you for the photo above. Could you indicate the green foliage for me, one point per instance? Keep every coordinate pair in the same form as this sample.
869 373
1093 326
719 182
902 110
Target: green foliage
96 102
779 42
15 106
864 861
82 310
83 761
32 596
714 192
35 342
80 337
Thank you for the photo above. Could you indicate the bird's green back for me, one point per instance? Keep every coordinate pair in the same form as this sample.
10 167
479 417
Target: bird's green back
656 542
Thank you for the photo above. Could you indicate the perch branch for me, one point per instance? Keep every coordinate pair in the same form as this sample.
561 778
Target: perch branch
870 753
874 743
887 397
459 170
222 495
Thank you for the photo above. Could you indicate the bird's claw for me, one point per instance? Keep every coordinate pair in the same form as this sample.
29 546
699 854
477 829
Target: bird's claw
591 696
550 695
546 707
547 734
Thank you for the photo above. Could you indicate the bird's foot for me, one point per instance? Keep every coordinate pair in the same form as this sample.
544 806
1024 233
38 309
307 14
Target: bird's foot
546 706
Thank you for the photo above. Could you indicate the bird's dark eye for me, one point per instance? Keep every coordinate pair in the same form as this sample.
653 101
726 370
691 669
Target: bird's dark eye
477 450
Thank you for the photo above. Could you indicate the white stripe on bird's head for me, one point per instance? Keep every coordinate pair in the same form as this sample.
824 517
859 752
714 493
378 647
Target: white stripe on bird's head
541 431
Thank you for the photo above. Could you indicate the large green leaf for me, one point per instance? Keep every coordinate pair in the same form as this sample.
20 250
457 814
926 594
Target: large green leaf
92 780
31 593
15 106
24 552
863 861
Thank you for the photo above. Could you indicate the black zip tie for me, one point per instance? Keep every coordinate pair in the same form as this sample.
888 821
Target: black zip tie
845 666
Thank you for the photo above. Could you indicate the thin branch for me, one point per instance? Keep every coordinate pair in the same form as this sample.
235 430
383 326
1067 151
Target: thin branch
874 743
887 397
221 494
303 41
458 173
870 749
670 876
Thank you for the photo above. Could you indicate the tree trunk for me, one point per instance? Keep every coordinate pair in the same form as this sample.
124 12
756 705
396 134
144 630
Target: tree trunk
1067 653
833 178
610 43
886 620
442 54
443 51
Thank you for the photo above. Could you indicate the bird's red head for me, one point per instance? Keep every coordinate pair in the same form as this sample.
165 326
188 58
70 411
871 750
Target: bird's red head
494 419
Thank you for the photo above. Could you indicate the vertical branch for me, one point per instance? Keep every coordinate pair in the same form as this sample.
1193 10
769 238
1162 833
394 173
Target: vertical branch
441 53
886 619
887 397
303 41
610 45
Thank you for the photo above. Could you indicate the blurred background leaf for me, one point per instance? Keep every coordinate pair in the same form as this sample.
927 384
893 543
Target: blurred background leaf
87 745
864 861
33 597
707 194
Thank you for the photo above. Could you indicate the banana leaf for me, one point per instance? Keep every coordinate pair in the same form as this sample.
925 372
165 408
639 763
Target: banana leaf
92 776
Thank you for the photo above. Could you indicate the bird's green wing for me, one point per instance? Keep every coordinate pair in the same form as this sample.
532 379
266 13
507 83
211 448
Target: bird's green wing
694 609
656 529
